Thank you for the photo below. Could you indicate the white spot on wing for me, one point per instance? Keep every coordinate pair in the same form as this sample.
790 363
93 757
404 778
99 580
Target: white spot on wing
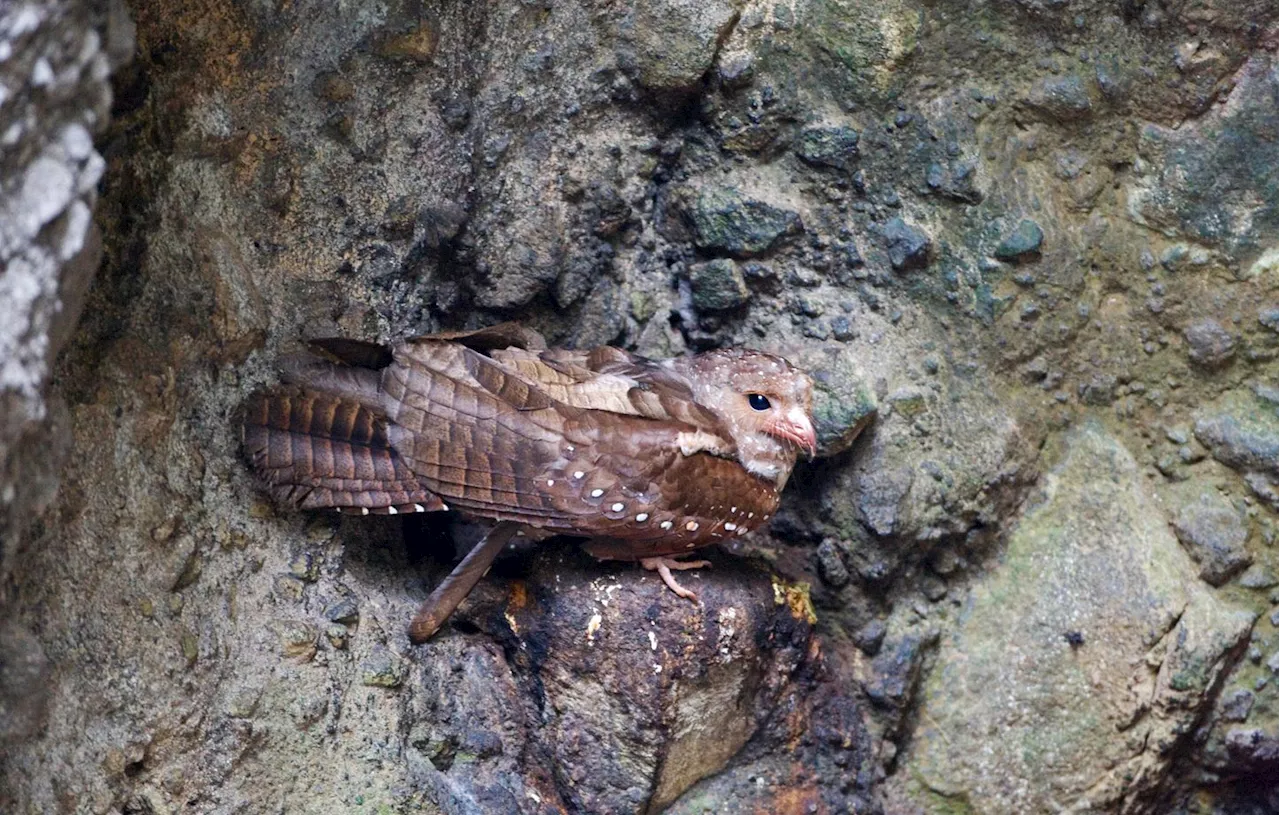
419 508
392 511
578 473
618 507
597 493
692 526
730 527
642 517
665 524
364 510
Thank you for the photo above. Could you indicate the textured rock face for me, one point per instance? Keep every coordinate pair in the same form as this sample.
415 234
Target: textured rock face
1004 238
1104 650
58 58
54 95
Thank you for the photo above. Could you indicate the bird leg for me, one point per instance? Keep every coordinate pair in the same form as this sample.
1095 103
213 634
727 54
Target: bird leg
664 565
455 588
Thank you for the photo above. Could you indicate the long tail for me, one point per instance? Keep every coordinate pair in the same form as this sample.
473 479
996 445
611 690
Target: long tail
317 447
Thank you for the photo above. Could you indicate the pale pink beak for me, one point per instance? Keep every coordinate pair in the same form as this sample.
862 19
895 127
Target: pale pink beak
797 427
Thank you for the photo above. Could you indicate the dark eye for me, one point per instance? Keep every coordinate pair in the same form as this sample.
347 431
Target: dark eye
758 401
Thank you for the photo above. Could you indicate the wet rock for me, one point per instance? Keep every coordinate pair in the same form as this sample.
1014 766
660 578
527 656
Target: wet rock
718 285
1240 430
1208 343
1023 244
907 245
724 221
835 147
1096 543
1214 535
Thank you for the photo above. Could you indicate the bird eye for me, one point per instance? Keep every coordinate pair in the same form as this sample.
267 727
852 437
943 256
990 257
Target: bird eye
758 401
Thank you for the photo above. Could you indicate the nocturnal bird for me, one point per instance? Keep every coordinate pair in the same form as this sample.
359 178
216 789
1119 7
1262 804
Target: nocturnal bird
646 459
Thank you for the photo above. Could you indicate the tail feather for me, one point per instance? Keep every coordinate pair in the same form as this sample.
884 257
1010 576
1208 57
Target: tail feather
318 449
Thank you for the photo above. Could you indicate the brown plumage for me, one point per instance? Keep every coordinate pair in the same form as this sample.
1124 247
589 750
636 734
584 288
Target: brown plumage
647 459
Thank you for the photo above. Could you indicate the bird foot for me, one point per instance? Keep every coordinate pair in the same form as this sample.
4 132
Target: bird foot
664 565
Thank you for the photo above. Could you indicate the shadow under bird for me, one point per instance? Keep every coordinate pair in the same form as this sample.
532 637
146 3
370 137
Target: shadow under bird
646 459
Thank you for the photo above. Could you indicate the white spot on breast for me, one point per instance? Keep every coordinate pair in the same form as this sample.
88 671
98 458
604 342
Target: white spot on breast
578 473
665 524
733 509
551 482
742 530
730 527
642 517
419 508
692 526
597 493
751 515
618 507
392 511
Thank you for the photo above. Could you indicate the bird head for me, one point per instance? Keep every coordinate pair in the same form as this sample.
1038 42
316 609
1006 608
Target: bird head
764 402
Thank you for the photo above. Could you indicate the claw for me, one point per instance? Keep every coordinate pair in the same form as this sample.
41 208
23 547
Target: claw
664 565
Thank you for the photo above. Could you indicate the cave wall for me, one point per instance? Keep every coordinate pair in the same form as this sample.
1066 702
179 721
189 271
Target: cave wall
1036 241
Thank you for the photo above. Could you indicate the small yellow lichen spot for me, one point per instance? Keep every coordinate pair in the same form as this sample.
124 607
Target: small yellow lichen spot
593 625
795 596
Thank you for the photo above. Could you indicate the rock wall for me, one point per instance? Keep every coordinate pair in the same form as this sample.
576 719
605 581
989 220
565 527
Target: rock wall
1029 246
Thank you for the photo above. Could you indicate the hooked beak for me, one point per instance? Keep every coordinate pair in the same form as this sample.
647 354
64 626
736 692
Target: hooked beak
797 427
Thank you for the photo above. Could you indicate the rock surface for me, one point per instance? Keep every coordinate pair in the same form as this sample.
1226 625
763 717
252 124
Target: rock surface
1089 628
832 180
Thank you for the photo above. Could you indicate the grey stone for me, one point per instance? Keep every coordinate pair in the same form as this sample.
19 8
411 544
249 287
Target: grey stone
1022 244
1189 181
725 221
843 407
1252 750
1260 575
1236 705
1208 343
674 42
718 285
383 669
895 671
908 246
1263 486
1214 535
1240 430
1269 318
1095 542
831 564
835 147
1064 99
